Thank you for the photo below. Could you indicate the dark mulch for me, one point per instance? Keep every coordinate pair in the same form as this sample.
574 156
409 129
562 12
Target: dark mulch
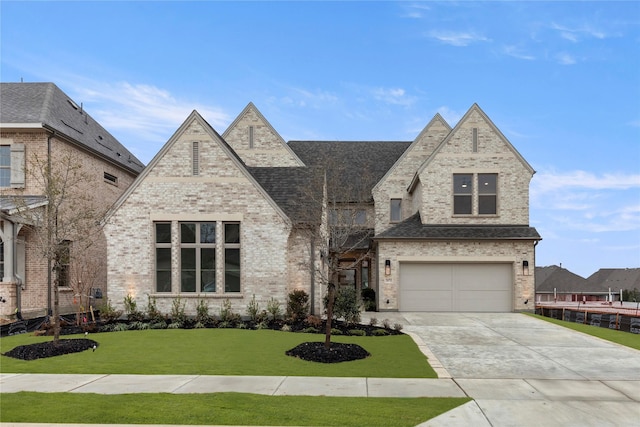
337 352
51 348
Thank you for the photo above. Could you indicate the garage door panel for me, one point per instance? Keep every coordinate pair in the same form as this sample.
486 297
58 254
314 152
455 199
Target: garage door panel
456 287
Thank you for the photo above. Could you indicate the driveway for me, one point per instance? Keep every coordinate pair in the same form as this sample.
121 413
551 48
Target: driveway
523 371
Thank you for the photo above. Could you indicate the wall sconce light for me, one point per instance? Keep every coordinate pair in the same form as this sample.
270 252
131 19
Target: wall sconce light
525 268
387 267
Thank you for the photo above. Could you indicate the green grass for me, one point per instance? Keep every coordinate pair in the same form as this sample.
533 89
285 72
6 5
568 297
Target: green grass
221 409
619 337
220 352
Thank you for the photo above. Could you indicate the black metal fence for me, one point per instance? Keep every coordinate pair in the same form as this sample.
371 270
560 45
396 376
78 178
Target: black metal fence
617 321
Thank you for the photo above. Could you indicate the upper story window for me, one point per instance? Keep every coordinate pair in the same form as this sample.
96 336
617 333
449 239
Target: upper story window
487 193
464 193
396 210
5 165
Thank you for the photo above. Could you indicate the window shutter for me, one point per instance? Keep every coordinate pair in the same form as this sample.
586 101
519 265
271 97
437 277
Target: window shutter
17 166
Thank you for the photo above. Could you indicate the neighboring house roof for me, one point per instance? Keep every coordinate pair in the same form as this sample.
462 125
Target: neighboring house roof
297 190
560 279
360 163
412 228
615 278
44 105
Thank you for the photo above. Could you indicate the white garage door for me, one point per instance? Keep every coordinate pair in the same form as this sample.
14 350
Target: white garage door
456 287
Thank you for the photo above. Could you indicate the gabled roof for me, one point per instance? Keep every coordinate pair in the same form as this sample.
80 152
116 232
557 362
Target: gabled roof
360 163
215 137
436 118
474 108
251 107
44 105
615 278
560 279
297 190
413 229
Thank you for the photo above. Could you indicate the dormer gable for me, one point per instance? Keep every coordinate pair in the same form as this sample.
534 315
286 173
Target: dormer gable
474 176
257 142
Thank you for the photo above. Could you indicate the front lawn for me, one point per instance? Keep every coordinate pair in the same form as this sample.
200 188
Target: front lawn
220 352
221 409
619 337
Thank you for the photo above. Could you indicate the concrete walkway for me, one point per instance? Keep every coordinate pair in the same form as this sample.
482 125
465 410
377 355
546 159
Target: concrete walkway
521 371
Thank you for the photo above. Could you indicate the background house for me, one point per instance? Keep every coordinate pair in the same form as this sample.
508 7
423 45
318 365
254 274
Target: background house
39 126
440 223
554 283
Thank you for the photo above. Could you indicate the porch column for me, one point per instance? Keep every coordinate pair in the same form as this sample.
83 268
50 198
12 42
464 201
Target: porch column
7 238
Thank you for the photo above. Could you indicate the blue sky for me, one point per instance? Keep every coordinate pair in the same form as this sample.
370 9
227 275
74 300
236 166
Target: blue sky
560 79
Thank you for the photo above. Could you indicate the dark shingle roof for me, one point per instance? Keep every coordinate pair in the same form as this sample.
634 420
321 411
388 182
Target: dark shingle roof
45 104
360 163
296 190
412 228
615 278
561 279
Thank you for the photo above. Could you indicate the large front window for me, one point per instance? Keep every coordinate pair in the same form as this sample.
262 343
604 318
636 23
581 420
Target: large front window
201 261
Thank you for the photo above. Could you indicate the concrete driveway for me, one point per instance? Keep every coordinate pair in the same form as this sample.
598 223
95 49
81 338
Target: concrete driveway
522 371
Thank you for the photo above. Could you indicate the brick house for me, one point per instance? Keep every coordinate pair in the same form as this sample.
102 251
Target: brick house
440 223
40 124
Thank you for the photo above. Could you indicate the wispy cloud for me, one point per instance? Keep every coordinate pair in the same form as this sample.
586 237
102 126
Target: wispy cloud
546 181
565 58
517 52
414 10
578 33
395 96
460 38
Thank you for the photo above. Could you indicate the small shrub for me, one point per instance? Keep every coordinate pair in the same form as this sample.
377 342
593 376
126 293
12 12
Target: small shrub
202 313
297 305
139 326
178 314
108 313
158 325
357 332
262 317
397 326
174 325
262 325
199 325
131 309
373 321
253 309
225 311
153 314
310 330
285 328
369 299
314 321
380 332
386 323
273 308
345 305
335 331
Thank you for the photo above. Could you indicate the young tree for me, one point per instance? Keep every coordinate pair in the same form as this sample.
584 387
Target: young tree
65 228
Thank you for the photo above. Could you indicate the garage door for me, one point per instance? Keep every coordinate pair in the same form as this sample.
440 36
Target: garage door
456 287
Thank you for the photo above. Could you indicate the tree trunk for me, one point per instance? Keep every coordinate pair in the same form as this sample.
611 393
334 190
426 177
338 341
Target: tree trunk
332 292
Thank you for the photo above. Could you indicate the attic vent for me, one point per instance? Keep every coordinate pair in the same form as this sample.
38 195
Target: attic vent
196 158
250 136
111 179
475 140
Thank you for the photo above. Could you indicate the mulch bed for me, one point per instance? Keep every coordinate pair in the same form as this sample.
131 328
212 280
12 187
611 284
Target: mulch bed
337 352
51 348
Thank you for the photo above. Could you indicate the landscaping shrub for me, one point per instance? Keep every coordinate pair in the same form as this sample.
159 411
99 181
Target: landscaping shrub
253 309
369 299
108 313
357 332
297 305
345 306
202 314
153 314
379 332
397 327
273 308
131 309
178 314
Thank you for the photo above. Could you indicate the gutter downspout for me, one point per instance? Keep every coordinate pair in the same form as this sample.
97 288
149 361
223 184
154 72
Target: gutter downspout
49 311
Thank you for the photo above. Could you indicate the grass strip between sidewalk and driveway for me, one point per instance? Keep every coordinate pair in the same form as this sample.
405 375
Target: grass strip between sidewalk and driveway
619 337
220 352
221 409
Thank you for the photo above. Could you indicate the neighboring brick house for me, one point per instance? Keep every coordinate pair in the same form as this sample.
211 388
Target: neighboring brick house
39 121
437 224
